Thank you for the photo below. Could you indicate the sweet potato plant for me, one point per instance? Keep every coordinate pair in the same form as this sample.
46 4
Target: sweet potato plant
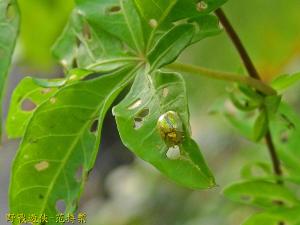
112 46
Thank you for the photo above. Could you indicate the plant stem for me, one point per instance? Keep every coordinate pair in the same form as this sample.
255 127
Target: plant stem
233 77
254 74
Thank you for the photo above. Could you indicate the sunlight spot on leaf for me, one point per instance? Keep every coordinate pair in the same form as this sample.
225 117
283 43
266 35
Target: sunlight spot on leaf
135 104
61 206
28 105
173 153
41 166
153 23
201 6
114 9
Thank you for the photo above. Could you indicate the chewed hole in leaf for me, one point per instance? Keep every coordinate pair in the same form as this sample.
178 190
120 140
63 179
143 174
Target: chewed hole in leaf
86 31
10 11
278 202
46 90
94 126
114 9
60 206
28 105
246 198
165 92
78 174
173 153
284 136
41 166
138 123
74 63
201 6
143 113
139 118
135 104
53 100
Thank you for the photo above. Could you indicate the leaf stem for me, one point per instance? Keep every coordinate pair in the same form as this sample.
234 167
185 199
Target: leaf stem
233 77
254 74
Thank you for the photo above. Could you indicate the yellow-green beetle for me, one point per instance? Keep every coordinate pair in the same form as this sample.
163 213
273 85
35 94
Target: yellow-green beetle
170 127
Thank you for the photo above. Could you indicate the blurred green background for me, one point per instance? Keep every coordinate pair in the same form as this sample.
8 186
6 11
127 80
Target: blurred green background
125 191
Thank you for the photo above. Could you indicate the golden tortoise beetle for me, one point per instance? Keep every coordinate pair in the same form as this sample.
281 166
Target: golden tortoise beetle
170 127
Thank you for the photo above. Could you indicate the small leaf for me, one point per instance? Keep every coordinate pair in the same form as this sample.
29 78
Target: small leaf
288 216
207 25
168 48
260 193
260 126
158 94
285 81
256 170
272 104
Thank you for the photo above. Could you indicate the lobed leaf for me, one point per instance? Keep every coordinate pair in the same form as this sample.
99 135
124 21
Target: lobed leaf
60 145
285 129
27 96
153 96
261 193
274 217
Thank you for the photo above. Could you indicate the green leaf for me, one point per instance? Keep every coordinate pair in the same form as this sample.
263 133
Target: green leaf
26 98
84 45
107 35
288 216
256 170
285 81
285 129
171 45
137 119
260 193
107 39
118 18
9 27
191 8
260 126
207 25
62 139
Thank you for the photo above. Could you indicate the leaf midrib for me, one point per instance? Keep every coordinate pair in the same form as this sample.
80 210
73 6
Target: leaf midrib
75 142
